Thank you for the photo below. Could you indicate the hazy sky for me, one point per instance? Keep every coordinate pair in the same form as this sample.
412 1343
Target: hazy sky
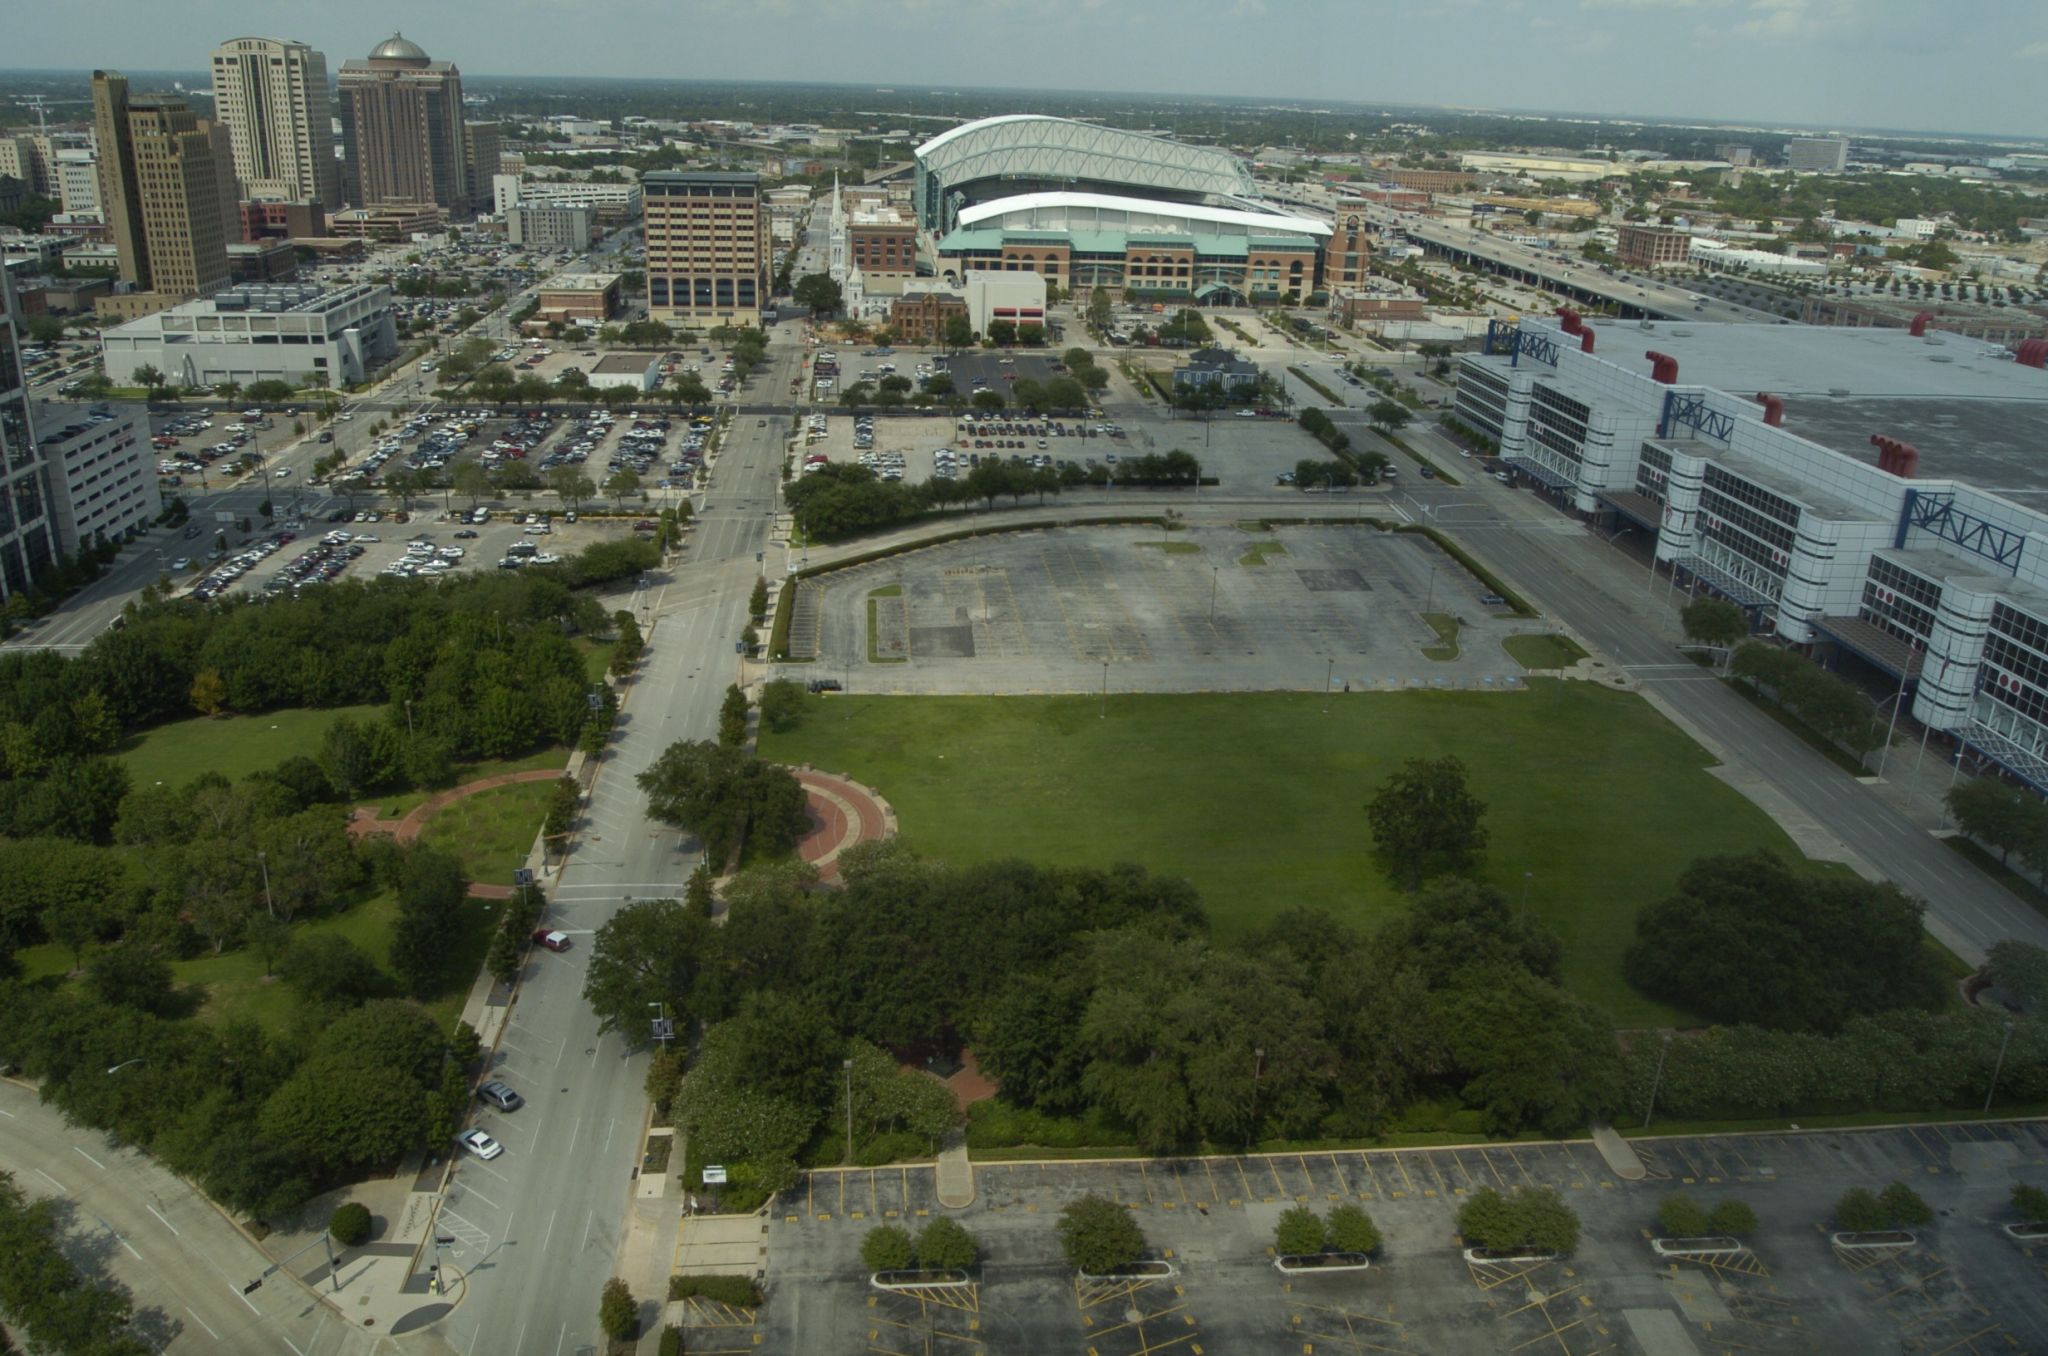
1959 65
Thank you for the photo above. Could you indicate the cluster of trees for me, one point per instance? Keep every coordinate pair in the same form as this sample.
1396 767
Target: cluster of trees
1752 939
1527 1218
48 1299
1323 431
1310 474
1832 708
941 1245
1680 1216
261 1120
2005 818
1898 1206
1301 1232
724 795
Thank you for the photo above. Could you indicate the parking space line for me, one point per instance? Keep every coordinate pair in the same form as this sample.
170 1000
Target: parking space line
1246 1181
1692 1169
1145 1180
1311 1177
1464 1171
1378 1191
1402 1168
1279 1187
1179 1185
1343 1183
1516 1159
1487 1158
1210 1172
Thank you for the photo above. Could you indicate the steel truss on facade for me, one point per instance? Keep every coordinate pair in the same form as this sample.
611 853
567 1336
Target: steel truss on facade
1935 511
1682 407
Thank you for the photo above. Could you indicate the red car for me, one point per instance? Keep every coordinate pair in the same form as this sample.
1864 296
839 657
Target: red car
552 940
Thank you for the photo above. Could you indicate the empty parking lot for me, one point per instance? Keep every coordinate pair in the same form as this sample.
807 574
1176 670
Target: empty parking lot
1132 609
1964 1287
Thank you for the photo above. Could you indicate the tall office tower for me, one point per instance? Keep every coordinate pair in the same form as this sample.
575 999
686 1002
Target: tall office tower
401 128
159 191
78 182
227 185
27 537
480 142
272 95
707 246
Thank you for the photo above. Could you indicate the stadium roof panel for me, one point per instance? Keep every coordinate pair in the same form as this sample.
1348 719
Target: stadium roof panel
1067 206
1032 146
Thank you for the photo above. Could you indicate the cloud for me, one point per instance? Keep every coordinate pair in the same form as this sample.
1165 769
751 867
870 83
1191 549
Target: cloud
2033 51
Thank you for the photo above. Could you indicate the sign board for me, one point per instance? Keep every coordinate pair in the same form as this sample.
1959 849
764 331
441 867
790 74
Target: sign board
223 515
714 1175
664 1028
522 877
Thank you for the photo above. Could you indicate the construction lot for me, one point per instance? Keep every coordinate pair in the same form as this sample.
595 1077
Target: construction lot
1132 609
1963 1287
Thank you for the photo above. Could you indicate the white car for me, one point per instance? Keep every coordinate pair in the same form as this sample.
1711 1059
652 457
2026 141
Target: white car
479 1144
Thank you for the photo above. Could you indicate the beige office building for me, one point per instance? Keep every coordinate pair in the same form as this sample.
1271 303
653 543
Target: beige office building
480 142
272 95
707 246
402 129
161 196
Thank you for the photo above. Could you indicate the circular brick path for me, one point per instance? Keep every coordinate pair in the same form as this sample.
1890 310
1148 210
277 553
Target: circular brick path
842 813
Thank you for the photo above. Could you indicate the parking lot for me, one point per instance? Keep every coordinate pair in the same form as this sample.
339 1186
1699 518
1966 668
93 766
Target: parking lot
1964 1287
1211 608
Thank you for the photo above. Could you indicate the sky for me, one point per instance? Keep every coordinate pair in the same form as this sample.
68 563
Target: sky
1932 65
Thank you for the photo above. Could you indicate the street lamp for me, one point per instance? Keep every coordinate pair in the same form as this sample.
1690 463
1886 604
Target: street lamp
263 862
1215 574
140 1058
1656 1080
1329 675
847 1066
1105 690
408 718
1998 1068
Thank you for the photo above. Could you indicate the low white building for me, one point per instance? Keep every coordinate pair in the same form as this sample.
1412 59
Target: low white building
563 227
992 296
297 332
1726 258
641 371
102 481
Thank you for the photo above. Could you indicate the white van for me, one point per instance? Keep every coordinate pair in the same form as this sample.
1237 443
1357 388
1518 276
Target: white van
482 515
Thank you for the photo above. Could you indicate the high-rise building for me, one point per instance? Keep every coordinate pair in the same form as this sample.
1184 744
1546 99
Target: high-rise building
21 158
159 192
227 185
402 130
480 141
27 536
1817 155
272 94
707 246
78 182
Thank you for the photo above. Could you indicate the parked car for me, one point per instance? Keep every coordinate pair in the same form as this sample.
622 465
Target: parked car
500 1096
479 1144
552 940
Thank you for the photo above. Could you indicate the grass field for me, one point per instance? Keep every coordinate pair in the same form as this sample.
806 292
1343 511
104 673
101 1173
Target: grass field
491 831
1258 799
233 746
234 982
393 804
1543 651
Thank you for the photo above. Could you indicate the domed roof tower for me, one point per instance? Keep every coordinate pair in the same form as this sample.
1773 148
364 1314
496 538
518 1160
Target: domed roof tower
397 48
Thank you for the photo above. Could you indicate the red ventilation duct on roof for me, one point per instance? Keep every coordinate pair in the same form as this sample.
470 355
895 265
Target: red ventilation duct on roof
1663 367
2034 353
1774 408
1586 340
1919 325
1572 323
1900 459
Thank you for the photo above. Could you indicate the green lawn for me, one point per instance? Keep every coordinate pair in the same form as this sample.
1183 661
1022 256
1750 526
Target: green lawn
1258 798
597 657
395 804
491 831
1543 651
1446 628
233 746
234 982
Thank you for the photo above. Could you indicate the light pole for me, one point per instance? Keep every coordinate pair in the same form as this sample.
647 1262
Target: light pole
1258 1068
408 718
1429 605
125 1063
847 1066
1215 574
263 864
1329 674
1105 689
1998 1068
1656 1080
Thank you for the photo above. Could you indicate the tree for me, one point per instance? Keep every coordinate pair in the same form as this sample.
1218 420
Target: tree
1098 308
350 1224
502 958
209 692
646 953
1716 622
2030 1203
622 485
987 400
1749 939
1905 1206
1424 820
150 379
1300 1232
1733 1218
1352 1230
431 894
1002 333
617 1314
1680 1216
943 1245
1387 416
732 717
1858 1211
959 333
1528 1219
2019 970
781 704
1099 1236
887 1248
2003 817
470 480
819 292
757 600
268 937
571 485
326 968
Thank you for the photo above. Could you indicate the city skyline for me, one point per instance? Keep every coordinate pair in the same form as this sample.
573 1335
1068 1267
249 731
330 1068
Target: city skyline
1894 64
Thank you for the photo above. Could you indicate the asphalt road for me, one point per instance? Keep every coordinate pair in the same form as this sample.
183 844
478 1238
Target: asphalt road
129 1218
543 1221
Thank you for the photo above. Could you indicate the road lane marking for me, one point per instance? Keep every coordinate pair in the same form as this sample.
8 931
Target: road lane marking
470 1190
166 1223
51 1180
202 1323
88 1158
549 1234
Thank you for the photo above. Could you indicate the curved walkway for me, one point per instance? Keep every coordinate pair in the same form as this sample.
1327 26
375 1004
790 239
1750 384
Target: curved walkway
842 813
363 820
